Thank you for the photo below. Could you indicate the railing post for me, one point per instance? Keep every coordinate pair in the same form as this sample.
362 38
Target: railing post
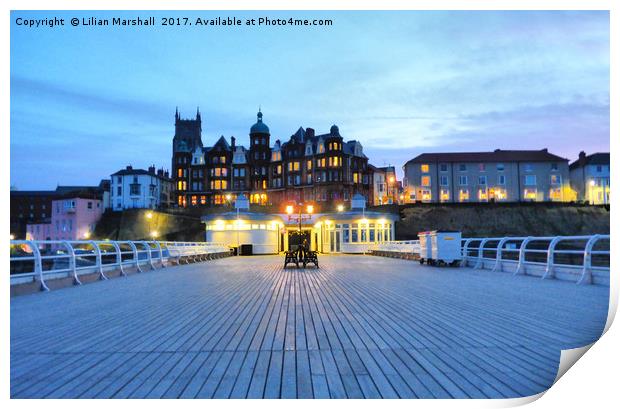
464 252
119 257
479 262
521 266
498 254
161 254
98 259
586 274
549 271
148 252
38 265
72 262
135 255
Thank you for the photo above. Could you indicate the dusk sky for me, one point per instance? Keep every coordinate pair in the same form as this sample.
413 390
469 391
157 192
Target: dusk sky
85 102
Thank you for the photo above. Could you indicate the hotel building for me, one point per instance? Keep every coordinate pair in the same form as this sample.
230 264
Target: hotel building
319 168
500 176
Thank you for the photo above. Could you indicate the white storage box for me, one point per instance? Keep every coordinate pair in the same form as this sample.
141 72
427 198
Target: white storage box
425 246
445 246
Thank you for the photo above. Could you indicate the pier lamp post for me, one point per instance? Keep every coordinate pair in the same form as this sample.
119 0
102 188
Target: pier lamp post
290 209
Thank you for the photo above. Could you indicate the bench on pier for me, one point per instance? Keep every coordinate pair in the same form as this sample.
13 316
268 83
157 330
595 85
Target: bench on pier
311 257
292 257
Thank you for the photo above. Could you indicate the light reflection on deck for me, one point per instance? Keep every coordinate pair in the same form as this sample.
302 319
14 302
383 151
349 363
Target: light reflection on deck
358 327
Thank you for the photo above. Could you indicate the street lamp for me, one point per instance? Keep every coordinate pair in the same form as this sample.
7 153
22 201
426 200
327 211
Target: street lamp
340 208
149 216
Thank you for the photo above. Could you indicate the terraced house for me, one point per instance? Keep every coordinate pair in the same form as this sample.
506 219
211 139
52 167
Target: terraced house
309 167
500 176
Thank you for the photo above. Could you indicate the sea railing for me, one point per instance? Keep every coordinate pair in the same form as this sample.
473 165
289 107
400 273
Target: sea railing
583 259
43 261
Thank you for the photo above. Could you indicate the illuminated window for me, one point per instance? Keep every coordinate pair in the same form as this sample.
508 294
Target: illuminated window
555 194
424 168
320 148
194 200
218 199
224 184
483 195
203 200
180 200
180 173
444 195
279 169
264 184
425 181
530 194
425 195
463 195
309 165
499 194
222 159
556 179
355 178
180 185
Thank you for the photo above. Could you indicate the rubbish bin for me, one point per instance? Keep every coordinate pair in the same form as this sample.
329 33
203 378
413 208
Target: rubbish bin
246 249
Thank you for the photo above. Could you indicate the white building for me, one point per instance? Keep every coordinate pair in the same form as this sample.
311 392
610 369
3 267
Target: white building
140 189
353 231
589 177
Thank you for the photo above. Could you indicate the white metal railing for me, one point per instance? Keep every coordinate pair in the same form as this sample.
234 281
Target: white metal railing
401 246
580 258
583 259
53 259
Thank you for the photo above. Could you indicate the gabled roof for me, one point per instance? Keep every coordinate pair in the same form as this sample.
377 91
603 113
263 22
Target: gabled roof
497 155
599 158
221 143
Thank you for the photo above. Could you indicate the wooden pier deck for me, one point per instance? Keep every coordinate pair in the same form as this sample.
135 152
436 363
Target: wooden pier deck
359 327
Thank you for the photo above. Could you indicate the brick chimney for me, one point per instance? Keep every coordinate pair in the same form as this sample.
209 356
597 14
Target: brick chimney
582 158
232 142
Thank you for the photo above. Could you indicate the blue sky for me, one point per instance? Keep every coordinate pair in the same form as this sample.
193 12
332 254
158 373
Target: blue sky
87 102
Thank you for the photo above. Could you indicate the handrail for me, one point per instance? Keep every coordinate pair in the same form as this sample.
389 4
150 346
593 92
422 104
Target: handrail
49 259
535 255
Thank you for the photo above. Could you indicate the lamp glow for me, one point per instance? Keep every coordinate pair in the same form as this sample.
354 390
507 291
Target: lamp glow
310 209
149 215
340 208
289 209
